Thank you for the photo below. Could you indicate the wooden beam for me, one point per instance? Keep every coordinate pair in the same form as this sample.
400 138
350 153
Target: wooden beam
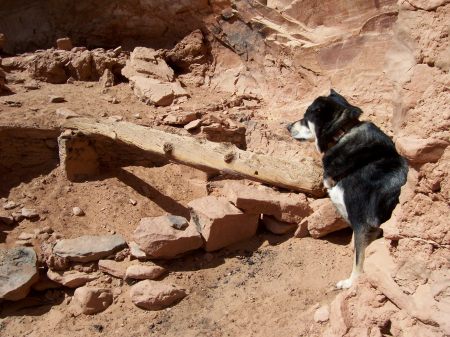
299 175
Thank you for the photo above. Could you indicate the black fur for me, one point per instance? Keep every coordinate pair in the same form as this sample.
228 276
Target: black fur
363 161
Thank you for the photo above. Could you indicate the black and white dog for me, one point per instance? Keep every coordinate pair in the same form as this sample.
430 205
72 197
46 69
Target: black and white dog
362 170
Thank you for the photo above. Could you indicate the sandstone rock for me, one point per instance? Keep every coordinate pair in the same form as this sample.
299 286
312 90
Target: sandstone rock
144 272
81 66
221 223
77 211
419 151
258 199
45 283
91 300
154 295
89 247
56 99
113 268
147 63
107 79
17 272
152 91
29 213
26 236
180 118
277 227
10 205
47 68
64 43
66 113
322 314
136 251
166 236
325 219
193 125
71 278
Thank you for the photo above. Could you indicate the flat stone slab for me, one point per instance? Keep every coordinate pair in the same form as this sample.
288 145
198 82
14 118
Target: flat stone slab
89 247
18 272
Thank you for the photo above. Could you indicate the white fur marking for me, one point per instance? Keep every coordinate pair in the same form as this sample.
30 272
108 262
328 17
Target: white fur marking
336 194
299 131
312 127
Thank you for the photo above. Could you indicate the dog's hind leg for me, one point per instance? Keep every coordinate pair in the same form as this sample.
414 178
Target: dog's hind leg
362 238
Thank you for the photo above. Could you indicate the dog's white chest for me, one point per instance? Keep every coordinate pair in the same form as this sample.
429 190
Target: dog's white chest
336 194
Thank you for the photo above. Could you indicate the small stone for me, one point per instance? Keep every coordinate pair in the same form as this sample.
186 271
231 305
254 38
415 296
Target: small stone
26 236
136 251
10 205
180 118
66 113
133 202
154 295
77 211
322 314
56 99
193 125
64 43
144 272
71 278
29 213
116 269
91 300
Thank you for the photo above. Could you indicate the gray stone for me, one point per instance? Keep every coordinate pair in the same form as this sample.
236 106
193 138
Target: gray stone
89 247
18 272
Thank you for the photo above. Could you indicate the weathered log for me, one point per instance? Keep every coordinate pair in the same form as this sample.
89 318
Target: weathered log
300 174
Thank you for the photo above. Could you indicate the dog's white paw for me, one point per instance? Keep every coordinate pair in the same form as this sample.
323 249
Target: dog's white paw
344 284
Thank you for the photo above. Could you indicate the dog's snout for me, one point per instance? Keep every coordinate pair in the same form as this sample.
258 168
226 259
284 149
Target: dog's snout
289 126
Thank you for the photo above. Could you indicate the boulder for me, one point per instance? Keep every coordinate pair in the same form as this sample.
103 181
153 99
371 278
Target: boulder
89 247
18 272
154 295
221 223
166 236
144 272
147 63
71 278
419 151
91 300
325 219
259 199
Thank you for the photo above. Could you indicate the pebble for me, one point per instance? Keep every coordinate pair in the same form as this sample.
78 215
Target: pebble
322 314
56 99
77 211
133 202
29 213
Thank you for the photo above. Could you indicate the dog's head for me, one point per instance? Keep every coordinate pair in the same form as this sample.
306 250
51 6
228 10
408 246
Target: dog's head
323 119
